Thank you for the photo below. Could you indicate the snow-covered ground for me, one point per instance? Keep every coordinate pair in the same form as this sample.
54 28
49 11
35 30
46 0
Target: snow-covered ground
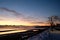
41 36
47 35
55 35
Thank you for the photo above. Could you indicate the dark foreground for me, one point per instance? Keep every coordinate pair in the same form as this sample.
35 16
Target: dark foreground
55 36
35 34
21 35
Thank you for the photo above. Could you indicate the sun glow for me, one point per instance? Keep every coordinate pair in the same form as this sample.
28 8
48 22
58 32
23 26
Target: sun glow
20 22
13 23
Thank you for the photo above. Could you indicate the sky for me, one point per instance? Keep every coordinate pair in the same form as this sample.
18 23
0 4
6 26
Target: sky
27 12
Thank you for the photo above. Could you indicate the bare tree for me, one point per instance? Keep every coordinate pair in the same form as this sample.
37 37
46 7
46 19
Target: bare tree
53 20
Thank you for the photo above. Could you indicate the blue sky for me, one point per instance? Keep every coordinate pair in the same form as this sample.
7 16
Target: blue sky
31 10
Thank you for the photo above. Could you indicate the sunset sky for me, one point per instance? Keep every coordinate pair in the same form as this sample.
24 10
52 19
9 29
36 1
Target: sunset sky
27 12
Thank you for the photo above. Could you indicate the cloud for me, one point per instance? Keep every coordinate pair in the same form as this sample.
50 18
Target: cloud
11 14
1 19
37 22
8 10
31 19
6 13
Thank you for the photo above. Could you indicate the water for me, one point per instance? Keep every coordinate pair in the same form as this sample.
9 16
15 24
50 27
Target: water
46 35
10 31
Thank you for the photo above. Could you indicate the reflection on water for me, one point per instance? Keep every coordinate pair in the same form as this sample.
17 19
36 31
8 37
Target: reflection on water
45 35
14 30
9 31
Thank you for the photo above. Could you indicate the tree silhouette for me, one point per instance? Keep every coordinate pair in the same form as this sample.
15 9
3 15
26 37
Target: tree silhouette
53 21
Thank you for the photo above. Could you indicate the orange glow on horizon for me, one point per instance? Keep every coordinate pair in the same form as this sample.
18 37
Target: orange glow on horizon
12 23
20 23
